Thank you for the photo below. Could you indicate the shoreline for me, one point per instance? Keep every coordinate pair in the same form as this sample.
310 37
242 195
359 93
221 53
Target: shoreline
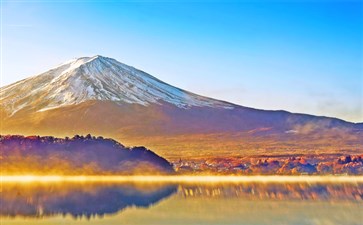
182 179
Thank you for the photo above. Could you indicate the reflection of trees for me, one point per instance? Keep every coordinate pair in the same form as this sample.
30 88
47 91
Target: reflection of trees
277 191
35 200
90 199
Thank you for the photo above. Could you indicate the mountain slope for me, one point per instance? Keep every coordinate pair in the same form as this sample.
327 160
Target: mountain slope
96 78
102 96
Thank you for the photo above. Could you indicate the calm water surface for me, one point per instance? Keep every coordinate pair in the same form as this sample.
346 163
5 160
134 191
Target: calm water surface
153 203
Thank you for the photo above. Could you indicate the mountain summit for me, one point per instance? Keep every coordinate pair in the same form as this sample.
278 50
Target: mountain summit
102 96
96 78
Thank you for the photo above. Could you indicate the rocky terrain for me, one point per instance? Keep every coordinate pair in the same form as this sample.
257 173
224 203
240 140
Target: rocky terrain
79 155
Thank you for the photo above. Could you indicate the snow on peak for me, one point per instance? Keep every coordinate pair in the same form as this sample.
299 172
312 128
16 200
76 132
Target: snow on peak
96 78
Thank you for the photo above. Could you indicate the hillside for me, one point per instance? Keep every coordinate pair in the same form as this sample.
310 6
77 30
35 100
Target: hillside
76 156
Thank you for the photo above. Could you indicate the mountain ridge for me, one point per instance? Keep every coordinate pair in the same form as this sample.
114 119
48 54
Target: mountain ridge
86 60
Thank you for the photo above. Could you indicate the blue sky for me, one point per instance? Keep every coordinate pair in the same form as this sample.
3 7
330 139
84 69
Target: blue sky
301 56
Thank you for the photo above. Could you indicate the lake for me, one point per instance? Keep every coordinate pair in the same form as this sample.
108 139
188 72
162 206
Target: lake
178 202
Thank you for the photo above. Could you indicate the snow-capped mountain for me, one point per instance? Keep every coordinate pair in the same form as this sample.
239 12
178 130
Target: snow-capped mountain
96 78
102 96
